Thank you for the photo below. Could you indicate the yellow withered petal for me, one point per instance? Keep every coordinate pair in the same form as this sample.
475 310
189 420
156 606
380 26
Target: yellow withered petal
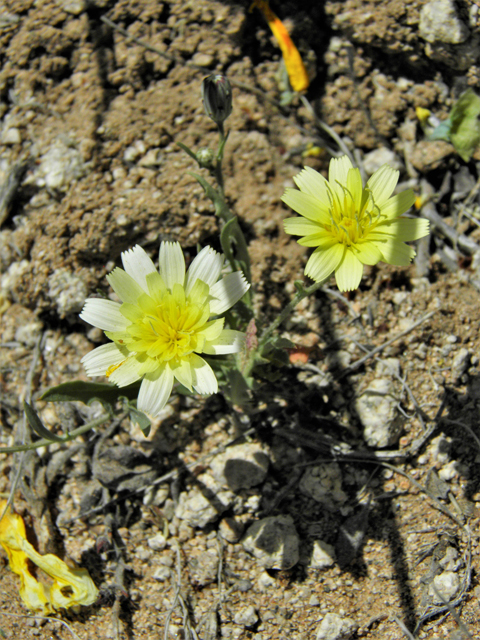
70 586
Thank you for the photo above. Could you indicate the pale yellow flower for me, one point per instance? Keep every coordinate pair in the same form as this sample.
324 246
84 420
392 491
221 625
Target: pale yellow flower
166 321
351 225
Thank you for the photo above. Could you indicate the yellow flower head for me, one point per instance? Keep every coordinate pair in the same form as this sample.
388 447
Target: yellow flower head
351 225
164 323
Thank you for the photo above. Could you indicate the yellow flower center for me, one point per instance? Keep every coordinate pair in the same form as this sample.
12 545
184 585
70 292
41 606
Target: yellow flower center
172 330
349 222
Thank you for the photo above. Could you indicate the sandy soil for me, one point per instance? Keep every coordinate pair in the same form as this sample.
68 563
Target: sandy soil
90 122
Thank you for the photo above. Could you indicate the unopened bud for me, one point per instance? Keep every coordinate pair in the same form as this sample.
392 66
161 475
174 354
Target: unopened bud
205 158
217 97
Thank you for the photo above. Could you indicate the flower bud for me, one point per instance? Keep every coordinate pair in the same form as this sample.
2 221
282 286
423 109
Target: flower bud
205 158
217 97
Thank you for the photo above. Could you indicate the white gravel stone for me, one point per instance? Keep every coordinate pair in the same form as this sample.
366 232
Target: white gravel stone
59 167
68 292
323 555
198 508
378 157
274 542
11 136
241 467
377 411
157 542
266 581
444 587
439 22
246 617
162 573
335 627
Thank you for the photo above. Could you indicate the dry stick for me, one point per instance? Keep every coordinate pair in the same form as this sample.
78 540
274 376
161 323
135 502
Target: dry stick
403 628
457 239
380 348
18 615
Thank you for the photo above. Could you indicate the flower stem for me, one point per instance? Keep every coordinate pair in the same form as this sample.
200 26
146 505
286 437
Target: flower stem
70 436
302 293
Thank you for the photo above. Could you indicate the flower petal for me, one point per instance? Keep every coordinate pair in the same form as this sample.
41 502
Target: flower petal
229 341
338 170
127 373
137 263
104 314
155 391
322 263
349 272
396 253
100 359
322 239
171 264
382 183
301 226
206 267
368 253
227 291
306 205
311 182
404 229
204 380
397 204
126 288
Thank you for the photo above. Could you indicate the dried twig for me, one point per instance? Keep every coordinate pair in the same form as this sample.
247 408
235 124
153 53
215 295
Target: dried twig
380 348
18 615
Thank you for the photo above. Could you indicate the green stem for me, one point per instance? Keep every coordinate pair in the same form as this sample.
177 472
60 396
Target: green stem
219 159
283 315
71 436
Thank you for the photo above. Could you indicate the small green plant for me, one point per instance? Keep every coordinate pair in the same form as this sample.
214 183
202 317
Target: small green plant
197 328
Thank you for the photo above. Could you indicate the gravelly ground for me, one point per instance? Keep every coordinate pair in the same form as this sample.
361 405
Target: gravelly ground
92 119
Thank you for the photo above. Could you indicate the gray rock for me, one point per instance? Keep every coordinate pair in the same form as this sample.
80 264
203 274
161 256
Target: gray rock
323 483
200 506
274 542
246 617
377 411
439 23
323 555
460 364
241 467
334 627
67 291
444 587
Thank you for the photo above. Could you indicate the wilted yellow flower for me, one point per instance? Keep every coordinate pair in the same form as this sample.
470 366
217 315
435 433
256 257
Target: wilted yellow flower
351 225
70 587
166 321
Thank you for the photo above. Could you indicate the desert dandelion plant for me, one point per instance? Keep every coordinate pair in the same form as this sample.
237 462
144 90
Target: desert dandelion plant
167 320
349 224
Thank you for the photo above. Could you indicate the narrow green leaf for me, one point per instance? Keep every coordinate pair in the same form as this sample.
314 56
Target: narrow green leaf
87 392
37 425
